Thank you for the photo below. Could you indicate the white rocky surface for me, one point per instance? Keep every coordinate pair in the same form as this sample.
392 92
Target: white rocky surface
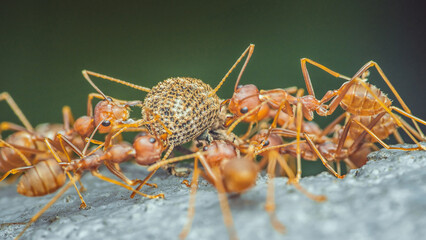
385 199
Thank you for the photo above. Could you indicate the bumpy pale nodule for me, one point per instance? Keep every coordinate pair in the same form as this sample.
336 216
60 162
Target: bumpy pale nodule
184 107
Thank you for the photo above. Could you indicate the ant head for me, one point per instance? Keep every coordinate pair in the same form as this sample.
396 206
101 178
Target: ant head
148 149
110 113
245 98
239 174
272 140
84 126
218 151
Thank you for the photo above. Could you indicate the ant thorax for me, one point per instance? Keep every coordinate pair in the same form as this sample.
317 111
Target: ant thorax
184 106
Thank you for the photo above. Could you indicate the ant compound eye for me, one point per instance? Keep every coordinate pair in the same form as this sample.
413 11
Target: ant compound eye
106 123
239 86
244 110
205 148
152 140
266 143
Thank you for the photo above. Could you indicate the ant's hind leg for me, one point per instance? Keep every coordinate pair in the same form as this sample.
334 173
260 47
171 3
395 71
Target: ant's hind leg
83 204
123 177
270 201
383 143
292 180
47 206
323 160
107 179
191 208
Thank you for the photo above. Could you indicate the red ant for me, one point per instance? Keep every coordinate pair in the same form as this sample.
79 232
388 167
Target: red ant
355 96
37 180
230 173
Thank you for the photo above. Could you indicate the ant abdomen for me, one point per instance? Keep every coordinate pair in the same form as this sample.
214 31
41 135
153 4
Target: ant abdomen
44 178
382 129
239 175
359 101
9 159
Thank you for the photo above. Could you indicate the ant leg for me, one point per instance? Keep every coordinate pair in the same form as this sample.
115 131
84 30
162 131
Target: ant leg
153 168
250 50
357 143
331 126
24 159
323 160
273 124
276 147
67 118
61 142
341 141
107 179
226 211
87 73
161 163
383 143
4 126
270 198
191 208
12 104
299 119
123 177
47 206
15 171
349 164
186 183
216 177
398 137
404 106
167 154
292 180
83 204
142 122
409 115
144 182
247 134
308 79
412 130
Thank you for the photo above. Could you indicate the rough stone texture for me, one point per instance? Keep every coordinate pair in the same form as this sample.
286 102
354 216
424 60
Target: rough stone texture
383 200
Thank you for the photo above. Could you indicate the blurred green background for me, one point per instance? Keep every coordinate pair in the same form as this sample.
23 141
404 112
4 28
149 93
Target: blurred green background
44 45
